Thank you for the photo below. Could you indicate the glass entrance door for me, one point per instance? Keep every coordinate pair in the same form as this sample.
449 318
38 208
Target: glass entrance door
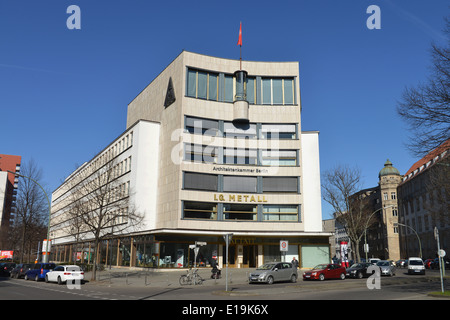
249 256
232 252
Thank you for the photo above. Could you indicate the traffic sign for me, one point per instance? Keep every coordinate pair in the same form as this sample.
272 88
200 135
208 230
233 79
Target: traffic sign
284 244
441 253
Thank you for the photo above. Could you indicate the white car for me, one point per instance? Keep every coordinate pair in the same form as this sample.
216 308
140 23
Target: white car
62 274
415 265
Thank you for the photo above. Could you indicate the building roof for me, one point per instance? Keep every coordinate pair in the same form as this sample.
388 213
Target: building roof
428 160
388 170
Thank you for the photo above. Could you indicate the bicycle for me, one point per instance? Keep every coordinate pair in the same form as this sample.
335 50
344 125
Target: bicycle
192 277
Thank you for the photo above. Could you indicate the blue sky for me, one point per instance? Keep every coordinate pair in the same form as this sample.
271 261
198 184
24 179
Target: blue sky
64 93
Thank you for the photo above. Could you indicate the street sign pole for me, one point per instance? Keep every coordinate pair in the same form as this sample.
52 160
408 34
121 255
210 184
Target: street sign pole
227 238
436 236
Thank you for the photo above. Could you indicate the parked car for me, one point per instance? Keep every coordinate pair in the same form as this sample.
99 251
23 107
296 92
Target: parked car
39 271
435 264
6 267
386 268
415 265
62 274
274 271
358 270
325 271
400 263
427 263
20 269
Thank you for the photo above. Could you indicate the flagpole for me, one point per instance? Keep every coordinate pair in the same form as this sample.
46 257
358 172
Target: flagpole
240 57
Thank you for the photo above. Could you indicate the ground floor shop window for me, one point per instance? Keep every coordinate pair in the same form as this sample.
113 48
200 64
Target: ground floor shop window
147 252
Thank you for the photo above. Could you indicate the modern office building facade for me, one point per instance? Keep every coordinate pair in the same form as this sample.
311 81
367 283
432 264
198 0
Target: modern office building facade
212 149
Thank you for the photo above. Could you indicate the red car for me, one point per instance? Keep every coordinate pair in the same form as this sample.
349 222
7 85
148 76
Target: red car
428 263
325 271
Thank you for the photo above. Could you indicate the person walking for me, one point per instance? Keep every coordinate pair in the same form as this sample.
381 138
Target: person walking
294 263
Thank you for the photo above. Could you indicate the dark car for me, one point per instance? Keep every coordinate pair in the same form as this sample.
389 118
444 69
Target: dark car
325 271
435 263
6 267
20 269
358 270
39 270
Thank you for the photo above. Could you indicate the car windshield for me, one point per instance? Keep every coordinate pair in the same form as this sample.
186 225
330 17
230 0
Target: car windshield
356 265
383 264
415 262
320 266
266 266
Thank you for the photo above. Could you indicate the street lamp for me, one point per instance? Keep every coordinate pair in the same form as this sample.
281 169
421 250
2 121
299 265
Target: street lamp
418 238
45 257
367 225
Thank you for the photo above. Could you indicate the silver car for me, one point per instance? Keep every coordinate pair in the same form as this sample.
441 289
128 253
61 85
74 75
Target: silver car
386 268
274 271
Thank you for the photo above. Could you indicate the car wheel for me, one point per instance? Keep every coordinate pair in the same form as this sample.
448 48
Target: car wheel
342 276
293 278
60 281
46 279
321 277
26 277
359 275
36 278
270 280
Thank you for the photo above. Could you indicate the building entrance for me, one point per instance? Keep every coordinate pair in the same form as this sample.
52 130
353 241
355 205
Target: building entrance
249 256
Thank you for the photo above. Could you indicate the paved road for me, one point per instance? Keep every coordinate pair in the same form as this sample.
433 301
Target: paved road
132 285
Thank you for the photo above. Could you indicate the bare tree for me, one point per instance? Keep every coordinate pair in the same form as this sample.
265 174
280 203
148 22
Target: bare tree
341 189
426 108
31 210
99 204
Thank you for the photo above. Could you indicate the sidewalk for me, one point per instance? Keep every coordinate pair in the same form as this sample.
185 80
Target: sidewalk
119 277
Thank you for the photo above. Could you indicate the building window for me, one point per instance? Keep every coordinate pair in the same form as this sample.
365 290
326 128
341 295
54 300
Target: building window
237 130
251 90
228 92
240 212
278 131
385 196
280 213
393 196
200 181
239 184
202 84
202 126
279 158
240 156
199 210
199 153
280 184
278 91
395 212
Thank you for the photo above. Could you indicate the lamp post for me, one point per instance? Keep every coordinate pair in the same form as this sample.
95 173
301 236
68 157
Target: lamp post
367 225
46 256
418 238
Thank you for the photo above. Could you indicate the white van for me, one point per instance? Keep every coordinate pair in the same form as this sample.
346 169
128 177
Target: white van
415 265
374 261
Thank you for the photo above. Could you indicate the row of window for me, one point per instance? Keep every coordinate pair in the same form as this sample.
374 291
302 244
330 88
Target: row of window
230 129
222 87
242 212
225 155
245 184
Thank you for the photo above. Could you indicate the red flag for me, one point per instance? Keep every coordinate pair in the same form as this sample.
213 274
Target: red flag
240 35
